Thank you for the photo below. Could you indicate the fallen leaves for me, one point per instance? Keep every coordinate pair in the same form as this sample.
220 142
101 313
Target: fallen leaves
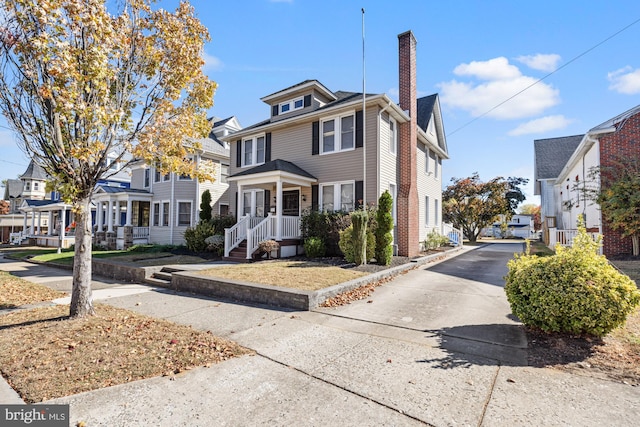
16 292
47 355
356 294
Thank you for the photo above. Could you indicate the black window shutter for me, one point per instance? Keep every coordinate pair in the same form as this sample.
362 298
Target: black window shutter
314 198
358 129
315 138
359 194
267 147
267 202
307 101
274 110
239 153
236 207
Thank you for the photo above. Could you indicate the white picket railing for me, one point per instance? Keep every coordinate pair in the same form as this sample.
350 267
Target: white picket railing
257 229
140 232
454 235
255 235
233 236
565 237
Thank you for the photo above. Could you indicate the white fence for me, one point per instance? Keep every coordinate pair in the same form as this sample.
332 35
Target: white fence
565 237
257 229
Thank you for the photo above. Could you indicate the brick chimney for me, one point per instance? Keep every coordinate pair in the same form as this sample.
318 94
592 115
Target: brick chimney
407 203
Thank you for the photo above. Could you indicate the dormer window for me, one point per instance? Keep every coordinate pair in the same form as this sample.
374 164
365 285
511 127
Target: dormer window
291 105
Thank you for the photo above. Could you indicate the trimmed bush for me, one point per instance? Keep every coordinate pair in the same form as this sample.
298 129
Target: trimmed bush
359 221
575 291
314 247
195 236
205 206
326 226
215 244
384 229
435 240
348 249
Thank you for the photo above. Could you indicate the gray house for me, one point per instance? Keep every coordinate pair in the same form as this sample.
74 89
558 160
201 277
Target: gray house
319 150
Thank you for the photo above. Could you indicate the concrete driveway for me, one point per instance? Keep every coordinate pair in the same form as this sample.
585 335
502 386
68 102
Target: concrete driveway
435 346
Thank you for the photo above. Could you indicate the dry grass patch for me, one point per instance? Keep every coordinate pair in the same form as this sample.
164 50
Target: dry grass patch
303 275
46 355
15 292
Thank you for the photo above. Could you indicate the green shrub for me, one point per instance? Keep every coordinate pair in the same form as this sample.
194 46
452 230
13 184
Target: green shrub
195 236
215 244
575 291
347 247
314 247
359 220
384 229
220 222
205 206
326 226
435 240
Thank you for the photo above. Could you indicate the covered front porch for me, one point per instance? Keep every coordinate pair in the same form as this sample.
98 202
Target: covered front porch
121 217
270 201
46 223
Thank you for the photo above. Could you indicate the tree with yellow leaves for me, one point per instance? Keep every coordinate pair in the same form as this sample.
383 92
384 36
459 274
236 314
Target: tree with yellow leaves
80 79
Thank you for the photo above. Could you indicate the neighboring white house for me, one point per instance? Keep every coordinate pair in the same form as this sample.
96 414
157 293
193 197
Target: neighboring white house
520 226
563 167
135 204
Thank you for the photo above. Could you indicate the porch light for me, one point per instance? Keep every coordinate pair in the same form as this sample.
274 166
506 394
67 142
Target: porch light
304 197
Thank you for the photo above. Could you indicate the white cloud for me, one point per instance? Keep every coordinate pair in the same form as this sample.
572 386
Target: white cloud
500 80
540 61
625 80
543 124
211 63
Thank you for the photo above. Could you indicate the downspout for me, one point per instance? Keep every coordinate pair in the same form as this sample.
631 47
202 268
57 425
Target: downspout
172 207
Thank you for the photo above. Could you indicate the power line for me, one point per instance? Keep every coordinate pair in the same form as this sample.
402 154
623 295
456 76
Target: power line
544 77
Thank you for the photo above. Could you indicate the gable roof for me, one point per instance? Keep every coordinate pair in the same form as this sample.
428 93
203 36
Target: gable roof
425 108
276 165
13 189
617 119
113 190
34 171
551 155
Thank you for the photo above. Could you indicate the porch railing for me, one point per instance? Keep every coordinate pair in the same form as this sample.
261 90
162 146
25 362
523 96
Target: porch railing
565 237
233 236
290 227
454 235
262 231
140 232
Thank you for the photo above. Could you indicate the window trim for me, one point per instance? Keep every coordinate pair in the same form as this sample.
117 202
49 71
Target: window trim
165 222
393 136
167 177
157 176
337 133
178 213
336 194
291 103
254 149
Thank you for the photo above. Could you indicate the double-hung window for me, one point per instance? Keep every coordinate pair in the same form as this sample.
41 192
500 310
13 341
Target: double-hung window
338 196
393 136
253 151
338 134
147 177
184 213
165 214
156 214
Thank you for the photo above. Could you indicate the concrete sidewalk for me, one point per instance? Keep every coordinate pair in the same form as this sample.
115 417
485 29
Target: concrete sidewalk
384 362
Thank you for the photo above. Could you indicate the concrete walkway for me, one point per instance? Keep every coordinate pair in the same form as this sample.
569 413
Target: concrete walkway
436 346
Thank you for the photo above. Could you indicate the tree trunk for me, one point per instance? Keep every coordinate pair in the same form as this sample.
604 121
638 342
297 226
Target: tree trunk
81 300
635 241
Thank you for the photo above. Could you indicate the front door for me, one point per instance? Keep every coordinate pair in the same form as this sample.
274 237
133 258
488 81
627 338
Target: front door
291 203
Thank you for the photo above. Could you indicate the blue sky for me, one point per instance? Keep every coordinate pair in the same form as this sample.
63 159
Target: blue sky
475 54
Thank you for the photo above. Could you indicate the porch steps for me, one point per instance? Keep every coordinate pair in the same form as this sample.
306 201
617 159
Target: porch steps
238 254
163 277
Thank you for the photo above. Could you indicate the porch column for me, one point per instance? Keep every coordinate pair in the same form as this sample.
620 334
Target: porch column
24 224
129 212
99 216
63 219
279 209
239 207
39 222
118 214
32 230
50 222
110 216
